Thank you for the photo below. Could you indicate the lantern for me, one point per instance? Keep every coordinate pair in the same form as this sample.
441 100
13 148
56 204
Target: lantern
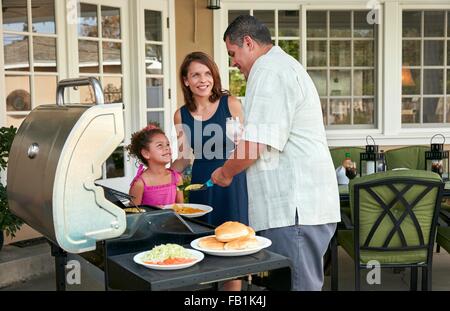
437 160
213 4
371 161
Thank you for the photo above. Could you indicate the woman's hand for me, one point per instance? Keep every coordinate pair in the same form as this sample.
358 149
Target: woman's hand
220 179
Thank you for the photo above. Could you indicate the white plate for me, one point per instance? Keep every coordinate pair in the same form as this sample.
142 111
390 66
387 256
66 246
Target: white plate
262 241
205 208
198 257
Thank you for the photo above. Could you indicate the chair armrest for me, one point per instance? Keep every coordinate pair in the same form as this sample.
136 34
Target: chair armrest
346 221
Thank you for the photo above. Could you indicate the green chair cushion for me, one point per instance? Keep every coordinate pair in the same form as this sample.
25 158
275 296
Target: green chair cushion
338 155
443 238
346 240
412 157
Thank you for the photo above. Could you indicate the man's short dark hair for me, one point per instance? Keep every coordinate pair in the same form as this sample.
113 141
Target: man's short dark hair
246 25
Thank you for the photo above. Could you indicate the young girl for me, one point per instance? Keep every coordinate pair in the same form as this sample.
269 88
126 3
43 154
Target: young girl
155 185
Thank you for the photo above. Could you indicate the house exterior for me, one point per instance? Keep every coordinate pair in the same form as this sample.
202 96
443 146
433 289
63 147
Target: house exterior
382 68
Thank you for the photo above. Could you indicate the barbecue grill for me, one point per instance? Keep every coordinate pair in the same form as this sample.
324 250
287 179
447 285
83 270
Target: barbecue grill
51 186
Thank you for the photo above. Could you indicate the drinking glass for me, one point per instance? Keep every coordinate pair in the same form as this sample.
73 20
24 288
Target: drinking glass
234 129
350 170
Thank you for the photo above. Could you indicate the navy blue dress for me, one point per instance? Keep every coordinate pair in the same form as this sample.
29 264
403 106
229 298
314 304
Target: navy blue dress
229 203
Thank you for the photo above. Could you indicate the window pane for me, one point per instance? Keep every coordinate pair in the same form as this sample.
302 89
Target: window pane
88 56
340 54
237 83
288 23
433 53
364 51
323 103
267 18
363 111
45 90
410 81
340 82
412 24
448 48
319 78
15 121
316 24
87 22
112 59
340 24
43 12
115 164
411 110
153 59
433 110
153 25
157 117
112 89
44 50
110 22
434 23
316 53
361 28
364 82
87 94
16 53
155 93
448 81
232 14
411 52
433 81
17 91
340 111
447 118
291 47
15 15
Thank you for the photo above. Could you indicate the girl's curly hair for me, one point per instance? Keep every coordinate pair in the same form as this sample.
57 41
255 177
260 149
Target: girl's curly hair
141 139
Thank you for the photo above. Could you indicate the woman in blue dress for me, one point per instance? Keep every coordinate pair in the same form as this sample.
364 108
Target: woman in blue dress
201 128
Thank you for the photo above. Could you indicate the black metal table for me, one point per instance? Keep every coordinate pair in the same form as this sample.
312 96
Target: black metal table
125 274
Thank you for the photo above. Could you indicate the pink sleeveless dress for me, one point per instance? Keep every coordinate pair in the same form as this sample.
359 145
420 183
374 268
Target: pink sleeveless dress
161 194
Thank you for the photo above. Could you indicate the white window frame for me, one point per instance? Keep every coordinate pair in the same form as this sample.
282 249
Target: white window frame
389 130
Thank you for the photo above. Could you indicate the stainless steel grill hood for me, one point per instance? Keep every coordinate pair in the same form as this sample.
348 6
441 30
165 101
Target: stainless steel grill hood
55 158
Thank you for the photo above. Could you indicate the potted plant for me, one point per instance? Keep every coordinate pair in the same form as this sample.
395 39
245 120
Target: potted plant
9 223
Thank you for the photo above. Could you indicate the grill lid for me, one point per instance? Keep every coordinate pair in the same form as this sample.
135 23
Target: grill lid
55 158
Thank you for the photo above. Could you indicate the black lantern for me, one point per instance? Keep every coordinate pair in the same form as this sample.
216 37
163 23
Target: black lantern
371 161
437 159
213 4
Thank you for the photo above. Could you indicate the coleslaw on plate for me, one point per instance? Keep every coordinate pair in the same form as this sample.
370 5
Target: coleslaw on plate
167 254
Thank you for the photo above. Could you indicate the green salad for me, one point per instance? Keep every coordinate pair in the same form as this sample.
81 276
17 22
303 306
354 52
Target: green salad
166 251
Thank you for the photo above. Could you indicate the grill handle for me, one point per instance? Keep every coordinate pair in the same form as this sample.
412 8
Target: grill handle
96 86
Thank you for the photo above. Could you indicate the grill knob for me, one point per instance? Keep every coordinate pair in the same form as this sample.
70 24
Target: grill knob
33 150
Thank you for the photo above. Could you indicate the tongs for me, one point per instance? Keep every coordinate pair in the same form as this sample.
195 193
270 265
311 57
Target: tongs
199 187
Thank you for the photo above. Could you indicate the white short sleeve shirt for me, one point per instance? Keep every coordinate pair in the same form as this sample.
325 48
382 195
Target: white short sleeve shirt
283 111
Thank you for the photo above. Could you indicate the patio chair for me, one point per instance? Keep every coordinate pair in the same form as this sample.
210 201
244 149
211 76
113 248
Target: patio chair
338 155
394 222
443 238
412 157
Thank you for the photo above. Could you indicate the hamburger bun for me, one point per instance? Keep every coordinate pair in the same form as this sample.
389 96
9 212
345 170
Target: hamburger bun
211 243
251 232
231 230
243 243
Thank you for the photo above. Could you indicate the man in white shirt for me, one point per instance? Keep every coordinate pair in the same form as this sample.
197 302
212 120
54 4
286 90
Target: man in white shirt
292 186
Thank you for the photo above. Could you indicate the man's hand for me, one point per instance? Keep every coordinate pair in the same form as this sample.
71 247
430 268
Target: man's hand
220 179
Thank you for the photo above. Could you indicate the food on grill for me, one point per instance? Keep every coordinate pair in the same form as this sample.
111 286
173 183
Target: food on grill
167 254
134 210
193 187
231 230
242 243
211 243
186 209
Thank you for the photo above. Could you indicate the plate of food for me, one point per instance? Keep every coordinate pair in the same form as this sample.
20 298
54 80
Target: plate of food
168 257
190 210
231 239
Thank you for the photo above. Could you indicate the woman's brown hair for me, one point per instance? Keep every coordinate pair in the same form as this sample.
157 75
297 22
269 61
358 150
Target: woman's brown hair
204 59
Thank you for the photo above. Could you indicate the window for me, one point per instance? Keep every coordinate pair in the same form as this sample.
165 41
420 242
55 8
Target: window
425 68
30 56
341 60
100 44
284 27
